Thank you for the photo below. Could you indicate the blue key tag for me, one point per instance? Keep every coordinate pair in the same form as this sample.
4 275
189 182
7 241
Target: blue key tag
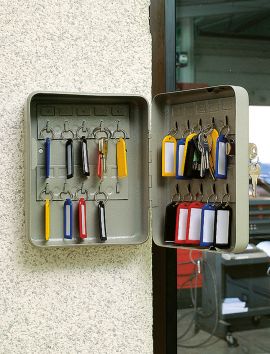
221 157
180 148
68 222
208 225
47 157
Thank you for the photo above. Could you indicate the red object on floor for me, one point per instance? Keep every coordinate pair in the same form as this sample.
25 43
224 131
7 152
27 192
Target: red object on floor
185 268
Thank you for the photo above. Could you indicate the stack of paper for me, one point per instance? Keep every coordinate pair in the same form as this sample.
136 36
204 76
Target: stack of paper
233 305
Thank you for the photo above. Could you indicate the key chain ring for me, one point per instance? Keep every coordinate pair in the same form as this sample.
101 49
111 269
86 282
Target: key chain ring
188 195
45 192
199 197
228 199
178 195
82 193
210 196
66 193
119 131
67 131
227 130
101 200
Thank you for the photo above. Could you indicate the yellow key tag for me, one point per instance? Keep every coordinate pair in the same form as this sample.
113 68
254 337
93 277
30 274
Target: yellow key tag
188 138
47 219
214 135
168 156
121 156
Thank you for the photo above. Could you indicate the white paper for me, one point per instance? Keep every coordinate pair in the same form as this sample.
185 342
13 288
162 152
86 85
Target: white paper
221 158
68 220
169 157
222 233
195 224
182 225
180 159
208 225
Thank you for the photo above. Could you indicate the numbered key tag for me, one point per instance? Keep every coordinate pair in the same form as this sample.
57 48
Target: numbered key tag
121 157
68 219
194 223
102 221
181 223
170 221
47 157
82 218
168 156
208 225
179 157
85 162
186 154
223 223
221 157
47 219
69 158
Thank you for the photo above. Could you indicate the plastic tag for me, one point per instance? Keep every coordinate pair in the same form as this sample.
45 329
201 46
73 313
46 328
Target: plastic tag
102 221
213 141
68 215
168 156
85 162
194 223
170 221
208 225
179 158
47 219
100 165
47 156
69 158
221 157
121 156
188 139
181 223
223 226
82 218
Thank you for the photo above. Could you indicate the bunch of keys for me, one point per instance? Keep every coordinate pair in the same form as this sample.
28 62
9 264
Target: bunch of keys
102 157
204 146
254 167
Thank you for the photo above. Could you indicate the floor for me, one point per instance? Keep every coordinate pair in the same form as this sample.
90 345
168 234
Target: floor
250 342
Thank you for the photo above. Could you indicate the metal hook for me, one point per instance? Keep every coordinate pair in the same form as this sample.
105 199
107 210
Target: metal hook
213 194
46 192
84 129
104 194
225 127
200 193
65 192
177 194
189 194
66 130
101 129
48 130
118 130
85 191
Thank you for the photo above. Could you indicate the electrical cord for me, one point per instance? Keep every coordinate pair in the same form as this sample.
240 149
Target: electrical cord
204 343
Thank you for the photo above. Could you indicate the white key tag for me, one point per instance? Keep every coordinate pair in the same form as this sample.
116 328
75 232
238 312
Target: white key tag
194 223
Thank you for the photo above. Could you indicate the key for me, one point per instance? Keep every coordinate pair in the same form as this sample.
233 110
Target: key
48 156
206 153
253 152
105 154
102 221
85 162
68 221
82 218
69 158
121 156
254 172
47 219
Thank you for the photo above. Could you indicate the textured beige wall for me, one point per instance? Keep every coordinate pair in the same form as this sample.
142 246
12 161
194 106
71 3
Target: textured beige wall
95 300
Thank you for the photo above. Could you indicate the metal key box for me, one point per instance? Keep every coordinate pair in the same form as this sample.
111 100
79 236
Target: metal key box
136 204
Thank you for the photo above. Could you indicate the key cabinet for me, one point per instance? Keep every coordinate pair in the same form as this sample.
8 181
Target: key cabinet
135 205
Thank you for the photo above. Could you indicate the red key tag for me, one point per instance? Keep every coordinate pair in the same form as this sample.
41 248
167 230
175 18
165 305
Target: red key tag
194 223
181 223
82 218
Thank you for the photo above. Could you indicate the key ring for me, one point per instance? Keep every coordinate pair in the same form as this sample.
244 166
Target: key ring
173 131
210 196
46 192
66 130
118 130
85 191
101 129
99 200
228 199
48 130
225 126
66 192
83 129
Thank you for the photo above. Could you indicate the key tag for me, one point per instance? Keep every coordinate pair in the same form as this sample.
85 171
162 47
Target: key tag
169 153
194 221
84 152
82 219
47 144
47 196
121 151
101 214
221 153
180 147
214 136
69 158
181 220
68 219
207 232
223 222
170 217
